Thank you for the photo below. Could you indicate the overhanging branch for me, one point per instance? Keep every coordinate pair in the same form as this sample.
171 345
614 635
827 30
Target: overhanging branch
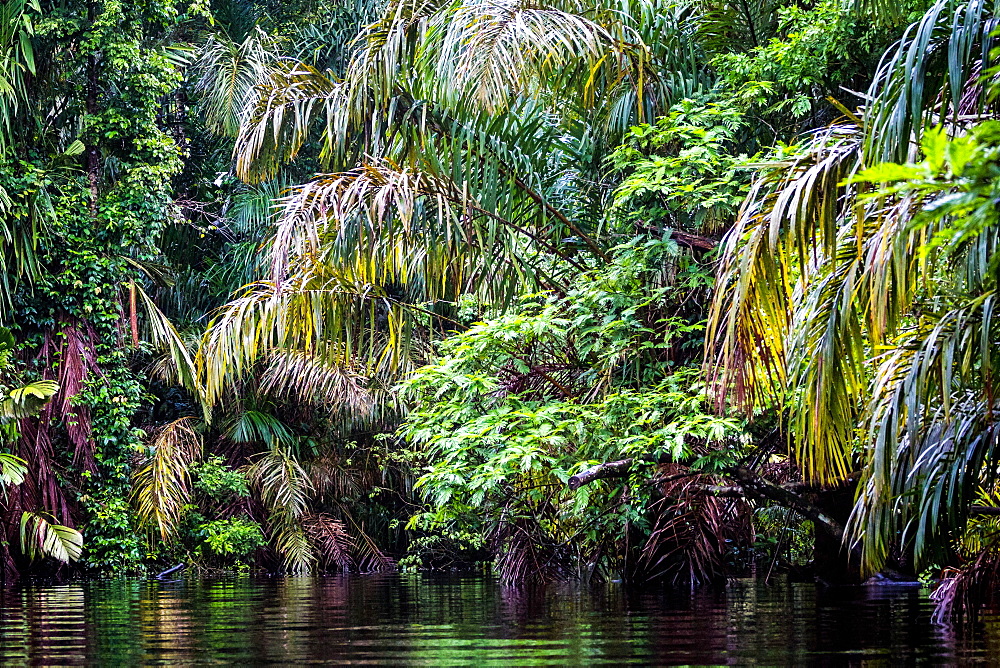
751 486
617 469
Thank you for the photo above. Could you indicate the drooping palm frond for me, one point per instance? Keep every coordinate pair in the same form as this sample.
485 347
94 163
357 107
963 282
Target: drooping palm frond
227 76
17 61
283 118
285 490
322 379
161 485
13 470
389 224
294 545
42 536
164 336
835 303
789 221
330 540
19 233
459 59
494 51
685 545
930 421
283 484
303 316
930 77
367 556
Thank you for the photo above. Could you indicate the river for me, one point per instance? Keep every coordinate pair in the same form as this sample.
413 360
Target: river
473 619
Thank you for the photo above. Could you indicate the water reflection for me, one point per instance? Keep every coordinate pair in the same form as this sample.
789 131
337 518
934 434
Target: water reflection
436 620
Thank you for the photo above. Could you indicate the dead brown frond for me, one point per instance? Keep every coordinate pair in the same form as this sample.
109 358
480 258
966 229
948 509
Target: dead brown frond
965 589
692 531
331 478
68 358
330 540
524 552
367 555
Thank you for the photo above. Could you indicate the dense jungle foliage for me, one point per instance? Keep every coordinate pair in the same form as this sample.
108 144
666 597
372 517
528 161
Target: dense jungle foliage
654 290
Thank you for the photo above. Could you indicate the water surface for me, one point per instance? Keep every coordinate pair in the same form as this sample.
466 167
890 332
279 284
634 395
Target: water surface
461 620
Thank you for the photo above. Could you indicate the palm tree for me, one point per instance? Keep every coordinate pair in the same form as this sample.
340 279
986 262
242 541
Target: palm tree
18 233
466 142
41 534
463 145
838 301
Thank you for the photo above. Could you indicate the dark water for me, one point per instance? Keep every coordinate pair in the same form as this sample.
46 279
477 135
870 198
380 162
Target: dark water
435 620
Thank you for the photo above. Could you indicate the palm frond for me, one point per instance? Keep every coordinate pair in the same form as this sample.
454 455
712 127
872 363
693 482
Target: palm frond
321 378
27 400
930 77
255 427
164 336
284 486
161 485
285 490
294 545
42 536
330 539
13 469
227 76
283 118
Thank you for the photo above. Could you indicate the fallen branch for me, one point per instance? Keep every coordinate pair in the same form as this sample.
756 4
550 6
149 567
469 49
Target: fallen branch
174 569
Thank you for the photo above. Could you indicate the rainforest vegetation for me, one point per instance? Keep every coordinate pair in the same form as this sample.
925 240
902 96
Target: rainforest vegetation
654 290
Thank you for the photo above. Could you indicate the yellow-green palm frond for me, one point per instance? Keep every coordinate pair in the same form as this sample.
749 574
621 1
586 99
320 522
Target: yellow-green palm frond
283 117
13 469
164 336
161 484
305 314
323 378
284 486
42 536
788 223
295 547
27 400
228 75
285 490
493 51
